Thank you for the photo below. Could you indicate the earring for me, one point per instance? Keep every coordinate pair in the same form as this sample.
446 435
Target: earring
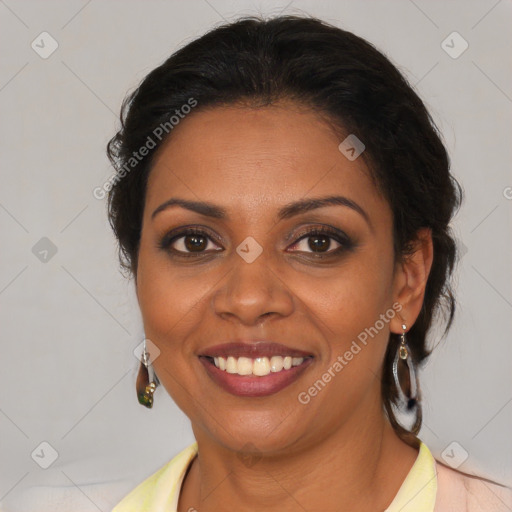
147 381
410 396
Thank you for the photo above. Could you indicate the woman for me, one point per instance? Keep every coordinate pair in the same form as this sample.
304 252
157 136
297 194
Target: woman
283 202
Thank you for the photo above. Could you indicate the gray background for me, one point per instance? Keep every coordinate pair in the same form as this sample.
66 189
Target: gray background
69 324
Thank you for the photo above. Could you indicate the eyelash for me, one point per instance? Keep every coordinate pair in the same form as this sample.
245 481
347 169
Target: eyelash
345 242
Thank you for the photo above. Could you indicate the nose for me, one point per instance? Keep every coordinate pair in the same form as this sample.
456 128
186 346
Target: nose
251 292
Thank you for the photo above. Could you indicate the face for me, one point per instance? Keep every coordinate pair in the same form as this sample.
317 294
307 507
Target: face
317 280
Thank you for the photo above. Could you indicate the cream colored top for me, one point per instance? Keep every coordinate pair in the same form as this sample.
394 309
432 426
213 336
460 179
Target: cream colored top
430 486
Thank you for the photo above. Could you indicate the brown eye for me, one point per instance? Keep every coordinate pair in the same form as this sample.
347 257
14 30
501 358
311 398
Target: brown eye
194 243
187 242
320 241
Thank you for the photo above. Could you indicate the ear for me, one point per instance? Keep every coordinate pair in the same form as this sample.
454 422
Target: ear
410 280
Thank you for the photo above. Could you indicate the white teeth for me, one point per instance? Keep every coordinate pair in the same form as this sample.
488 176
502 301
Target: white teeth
276 364
259 366
244 366
231 365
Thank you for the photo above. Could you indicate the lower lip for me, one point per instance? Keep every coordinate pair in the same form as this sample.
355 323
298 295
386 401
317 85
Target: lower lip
251 385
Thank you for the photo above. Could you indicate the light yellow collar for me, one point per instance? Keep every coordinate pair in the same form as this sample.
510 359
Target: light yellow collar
418 491
160 492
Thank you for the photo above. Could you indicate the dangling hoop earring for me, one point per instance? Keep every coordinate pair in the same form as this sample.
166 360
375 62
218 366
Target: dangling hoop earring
410 397
147 380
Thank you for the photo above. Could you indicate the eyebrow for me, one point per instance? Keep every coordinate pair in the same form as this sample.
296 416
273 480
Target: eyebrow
286 212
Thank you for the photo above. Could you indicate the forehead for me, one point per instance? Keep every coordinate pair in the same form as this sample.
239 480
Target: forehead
257 158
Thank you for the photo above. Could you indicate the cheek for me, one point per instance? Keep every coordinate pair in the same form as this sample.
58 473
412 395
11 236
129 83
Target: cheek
351 312
357 293
354 308
167 299
168 306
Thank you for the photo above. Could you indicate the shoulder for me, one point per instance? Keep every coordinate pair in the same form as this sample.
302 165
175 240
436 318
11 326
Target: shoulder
469 493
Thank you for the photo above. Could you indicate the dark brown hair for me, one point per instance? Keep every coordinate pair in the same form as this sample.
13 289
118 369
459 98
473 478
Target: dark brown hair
339 75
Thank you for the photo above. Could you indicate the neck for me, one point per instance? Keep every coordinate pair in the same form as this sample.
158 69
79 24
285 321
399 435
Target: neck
348 470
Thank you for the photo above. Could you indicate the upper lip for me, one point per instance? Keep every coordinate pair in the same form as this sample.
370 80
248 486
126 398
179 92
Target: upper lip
253 349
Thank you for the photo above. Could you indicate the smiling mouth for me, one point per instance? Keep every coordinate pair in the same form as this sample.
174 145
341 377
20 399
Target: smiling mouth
259 377
256 367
